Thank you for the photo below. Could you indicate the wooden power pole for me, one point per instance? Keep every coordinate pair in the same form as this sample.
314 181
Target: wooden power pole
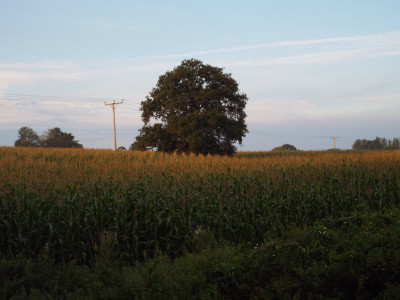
334 141
113 105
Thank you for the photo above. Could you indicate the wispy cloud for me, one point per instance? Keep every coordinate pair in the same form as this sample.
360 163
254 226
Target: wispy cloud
382 40
363 98
17 77
40 71
328 50
314 58
261 46
3 85
41 65
286 109
64 70
313 51
334 50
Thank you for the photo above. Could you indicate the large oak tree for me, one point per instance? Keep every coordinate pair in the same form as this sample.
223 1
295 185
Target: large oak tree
193 108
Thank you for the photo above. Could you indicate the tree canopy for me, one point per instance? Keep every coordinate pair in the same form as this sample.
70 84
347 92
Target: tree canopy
55 137
285 147
193 108
27 137
377 144
59 139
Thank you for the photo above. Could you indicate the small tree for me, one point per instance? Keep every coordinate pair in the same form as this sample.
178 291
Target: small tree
357 145
199 109
58 139
27 137
396 143
285 147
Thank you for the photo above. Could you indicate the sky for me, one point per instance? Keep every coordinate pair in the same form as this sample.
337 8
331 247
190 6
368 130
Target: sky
311 69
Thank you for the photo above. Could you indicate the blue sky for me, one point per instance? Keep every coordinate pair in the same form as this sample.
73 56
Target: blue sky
311 69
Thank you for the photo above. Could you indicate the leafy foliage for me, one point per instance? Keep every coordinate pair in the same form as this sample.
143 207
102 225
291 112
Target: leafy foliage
200 110
377 144
27 137
56 138
285 147
354 257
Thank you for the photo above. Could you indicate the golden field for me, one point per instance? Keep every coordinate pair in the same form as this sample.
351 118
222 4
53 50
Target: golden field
65 202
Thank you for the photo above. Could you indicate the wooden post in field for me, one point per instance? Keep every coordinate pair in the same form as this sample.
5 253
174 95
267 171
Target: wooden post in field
113 105
334 141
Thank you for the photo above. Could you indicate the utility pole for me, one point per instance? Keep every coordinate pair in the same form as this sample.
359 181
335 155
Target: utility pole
113 105
334 141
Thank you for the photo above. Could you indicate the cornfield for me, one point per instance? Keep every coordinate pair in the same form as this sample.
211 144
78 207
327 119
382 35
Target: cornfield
75 204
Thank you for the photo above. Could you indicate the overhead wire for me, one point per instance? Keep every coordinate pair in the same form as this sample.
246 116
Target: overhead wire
129 105
49 98
285 135
35 98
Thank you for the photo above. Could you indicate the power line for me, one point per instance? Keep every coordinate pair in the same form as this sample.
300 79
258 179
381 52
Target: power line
135 106
53 98
37 98
285 135
133 109
131 102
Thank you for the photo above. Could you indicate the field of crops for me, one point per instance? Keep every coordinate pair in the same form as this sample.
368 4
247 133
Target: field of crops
77 205
69 202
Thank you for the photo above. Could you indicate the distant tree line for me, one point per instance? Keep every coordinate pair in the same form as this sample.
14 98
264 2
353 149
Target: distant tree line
54 137
377 144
